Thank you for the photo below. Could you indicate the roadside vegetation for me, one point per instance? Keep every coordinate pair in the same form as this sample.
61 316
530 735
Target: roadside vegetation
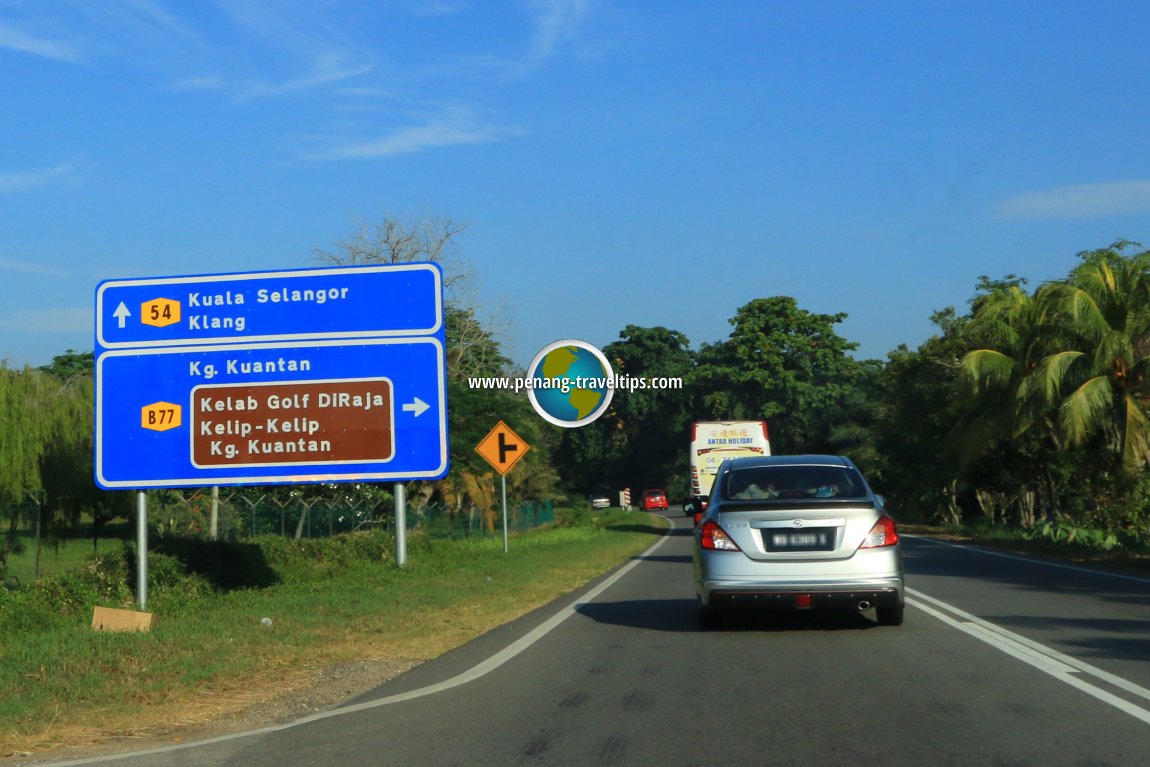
1024 419
289 610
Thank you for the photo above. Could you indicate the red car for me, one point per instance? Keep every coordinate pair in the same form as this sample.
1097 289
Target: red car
653 500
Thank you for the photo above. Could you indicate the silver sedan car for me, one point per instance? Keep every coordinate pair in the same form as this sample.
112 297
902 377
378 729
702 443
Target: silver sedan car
801 532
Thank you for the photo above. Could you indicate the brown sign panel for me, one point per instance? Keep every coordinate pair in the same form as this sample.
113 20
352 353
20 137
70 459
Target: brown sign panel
344 421
502 448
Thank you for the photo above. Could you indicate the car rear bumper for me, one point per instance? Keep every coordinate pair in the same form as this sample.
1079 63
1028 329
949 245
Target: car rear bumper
821 594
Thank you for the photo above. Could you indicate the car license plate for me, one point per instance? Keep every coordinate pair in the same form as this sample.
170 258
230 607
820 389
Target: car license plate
820 539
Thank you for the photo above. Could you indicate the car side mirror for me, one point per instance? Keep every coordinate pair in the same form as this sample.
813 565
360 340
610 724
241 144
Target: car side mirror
880 500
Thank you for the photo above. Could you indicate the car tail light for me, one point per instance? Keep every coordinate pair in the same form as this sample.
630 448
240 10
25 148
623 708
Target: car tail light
712 537
698 518
882 534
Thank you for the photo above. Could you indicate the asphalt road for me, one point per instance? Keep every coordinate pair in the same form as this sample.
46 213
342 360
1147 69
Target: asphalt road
1001 661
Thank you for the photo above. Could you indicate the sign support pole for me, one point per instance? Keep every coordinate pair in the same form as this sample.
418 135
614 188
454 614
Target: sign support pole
400 525
502 448
142 549
503 480
214 529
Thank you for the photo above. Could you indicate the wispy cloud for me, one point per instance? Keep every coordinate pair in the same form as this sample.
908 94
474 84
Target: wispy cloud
21 180
550 23
85 32
30 267
247 49
301 49
37 42
1117 198
451 128
554 20
328 58
328 70
50 321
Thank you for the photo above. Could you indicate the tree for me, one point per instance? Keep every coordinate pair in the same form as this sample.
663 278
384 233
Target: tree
1100 377
471 351
1007 335
1074 358
915 401
1059 381
641 441
395 241
781 364
46 444
71 364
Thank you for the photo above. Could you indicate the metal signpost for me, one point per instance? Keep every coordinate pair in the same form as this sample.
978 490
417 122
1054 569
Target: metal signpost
309 375
502 448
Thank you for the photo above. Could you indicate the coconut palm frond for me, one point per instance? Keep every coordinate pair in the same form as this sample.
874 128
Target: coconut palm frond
1136 442
1114 354
987 369
1003 319
1044 384
1085 411
1078 306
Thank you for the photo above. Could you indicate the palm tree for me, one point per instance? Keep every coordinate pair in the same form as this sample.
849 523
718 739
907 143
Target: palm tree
1008 399
1100 378
1012 341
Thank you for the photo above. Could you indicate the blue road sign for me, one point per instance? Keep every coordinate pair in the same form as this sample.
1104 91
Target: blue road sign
308 375
389 300
235 414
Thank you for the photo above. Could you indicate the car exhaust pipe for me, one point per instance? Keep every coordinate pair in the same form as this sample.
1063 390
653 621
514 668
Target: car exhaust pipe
863 605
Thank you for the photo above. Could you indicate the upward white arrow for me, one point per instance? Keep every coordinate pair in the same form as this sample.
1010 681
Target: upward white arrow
122 313
417 407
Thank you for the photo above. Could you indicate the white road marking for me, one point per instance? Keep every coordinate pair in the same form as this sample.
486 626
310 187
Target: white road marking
1062 667
1017 558
473 673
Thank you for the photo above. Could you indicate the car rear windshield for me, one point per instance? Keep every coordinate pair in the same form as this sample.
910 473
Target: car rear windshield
793 482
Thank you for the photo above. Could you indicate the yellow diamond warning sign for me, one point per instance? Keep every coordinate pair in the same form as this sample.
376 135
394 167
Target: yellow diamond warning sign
160 416
160 312
501 448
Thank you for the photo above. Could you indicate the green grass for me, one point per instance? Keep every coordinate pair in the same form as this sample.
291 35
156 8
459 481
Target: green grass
1083 546
334 602
56 557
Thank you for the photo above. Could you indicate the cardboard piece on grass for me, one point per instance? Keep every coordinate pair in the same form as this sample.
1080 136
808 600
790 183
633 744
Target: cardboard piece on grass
112 619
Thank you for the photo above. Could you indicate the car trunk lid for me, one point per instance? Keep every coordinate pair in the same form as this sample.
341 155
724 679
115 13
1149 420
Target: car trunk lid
809 530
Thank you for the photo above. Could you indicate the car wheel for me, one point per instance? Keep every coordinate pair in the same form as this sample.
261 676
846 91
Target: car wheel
889 616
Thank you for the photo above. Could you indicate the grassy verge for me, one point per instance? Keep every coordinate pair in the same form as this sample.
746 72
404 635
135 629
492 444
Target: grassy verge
56 556
1020 542
332 602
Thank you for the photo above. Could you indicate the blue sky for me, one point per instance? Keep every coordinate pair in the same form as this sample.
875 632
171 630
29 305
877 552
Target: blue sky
616 163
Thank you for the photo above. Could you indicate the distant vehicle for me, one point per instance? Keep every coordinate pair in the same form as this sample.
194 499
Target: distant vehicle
713 442
653 500
600 501
801 532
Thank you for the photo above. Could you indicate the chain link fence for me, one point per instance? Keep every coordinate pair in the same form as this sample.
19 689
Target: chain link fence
244 515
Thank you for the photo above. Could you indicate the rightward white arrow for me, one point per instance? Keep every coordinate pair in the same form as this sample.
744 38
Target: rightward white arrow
122 313
416 407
